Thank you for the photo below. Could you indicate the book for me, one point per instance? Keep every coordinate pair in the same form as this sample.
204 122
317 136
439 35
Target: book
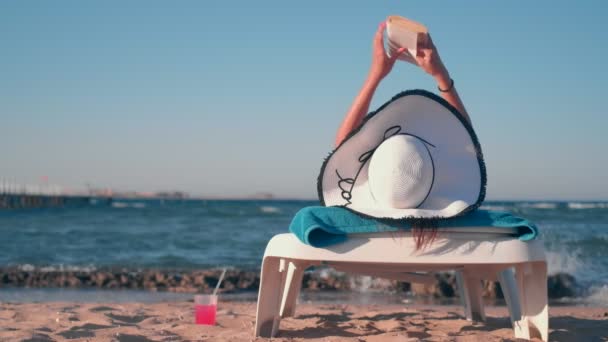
405 33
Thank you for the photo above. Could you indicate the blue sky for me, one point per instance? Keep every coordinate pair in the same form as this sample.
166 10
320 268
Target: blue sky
226 98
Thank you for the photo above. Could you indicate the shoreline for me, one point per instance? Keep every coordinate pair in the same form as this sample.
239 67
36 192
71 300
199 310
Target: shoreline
562 287
349 297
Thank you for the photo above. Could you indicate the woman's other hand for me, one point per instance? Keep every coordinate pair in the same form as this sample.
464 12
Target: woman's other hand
381 62
381 66
428 59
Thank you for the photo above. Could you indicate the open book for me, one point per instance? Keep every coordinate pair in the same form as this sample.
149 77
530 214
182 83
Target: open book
406 33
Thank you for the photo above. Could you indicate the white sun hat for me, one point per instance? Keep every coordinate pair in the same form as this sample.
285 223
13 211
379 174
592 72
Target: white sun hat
416 157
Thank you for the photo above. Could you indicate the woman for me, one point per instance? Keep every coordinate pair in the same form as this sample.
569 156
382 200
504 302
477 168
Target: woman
428 59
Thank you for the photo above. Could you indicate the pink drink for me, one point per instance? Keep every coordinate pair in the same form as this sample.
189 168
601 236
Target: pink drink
205 314
205 307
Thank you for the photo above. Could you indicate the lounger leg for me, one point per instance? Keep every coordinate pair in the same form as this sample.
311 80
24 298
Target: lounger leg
532 283
269 298
509 287
293 284
463 295
471 293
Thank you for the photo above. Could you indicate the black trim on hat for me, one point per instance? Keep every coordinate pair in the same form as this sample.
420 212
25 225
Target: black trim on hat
415 220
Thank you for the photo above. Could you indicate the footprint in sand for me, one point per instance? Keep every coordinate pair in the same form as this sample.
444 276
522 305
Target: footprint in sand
126 319
69 308
101 308
39 338
70 335
132 338
168 336
390 325
86 330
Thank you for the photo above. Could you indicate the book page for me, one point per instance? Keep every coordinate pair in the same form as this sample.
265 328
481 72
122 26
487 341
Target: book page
406 34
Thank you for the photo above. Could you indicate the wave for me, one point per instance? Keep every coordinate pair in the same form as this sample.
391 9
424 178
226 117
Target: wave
137 205
270 210
564 262
56 268
495 207
598 295
587 205
539 205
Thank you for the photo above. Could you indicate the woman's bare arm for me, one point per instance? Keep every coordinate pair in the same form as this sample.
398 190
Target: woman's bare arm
358 109
428 59
381 66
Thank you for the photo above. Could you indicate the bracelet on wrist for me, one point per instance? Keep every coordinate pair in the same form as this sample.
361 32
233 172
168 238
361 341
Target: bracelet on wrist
449 88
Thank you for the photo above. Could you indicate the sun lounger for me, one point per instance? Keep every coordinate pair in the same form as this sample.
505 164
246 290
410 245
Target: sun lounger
474 253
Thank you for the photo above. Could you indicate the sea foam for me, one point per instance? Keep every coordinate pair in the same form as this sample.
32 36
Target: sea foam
587 205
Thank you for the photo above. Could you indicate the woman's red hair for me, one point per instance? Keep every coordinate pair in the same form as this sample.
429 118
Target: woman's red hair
424 236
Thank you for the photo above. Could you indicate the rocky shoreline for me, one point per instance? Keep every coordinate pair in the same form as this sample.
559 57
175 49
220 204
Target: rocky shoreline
192 281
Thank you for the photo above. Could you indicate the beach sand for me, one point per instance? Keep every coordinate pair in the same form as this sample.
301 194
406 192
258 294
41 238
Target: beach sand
173 321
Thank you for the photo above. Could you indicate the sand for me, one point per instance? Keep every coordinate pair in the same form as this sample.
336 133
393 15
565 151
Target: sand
173 321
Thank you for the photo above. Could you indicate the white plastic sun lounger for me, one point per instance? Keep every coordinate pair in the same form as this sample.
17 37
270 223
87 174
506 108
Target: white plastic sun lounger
474 253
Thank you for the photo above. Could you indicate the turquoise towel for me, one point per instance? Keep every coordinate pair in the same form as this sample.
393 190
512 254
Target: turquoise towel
325 226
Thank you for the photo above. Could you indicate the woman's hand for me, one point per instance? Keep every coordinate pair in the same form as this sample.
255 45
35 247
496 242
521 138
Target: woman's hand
381 66
428 59
381 63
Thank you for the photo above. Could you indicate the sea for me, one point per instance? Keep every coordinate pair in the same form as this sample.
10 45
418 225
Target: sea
204 234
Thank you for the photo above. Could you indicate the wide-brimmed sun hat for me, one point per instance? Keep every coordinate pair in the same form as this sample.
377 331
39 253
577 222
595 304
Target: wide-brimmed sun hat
416 157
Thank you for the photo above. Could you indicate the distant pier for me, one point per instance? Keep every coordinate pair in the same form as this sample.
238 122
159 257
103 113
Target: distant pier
20 196
23 201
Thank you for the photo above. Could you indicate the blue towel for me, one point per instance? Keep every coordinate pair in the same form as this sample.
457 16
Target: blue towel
324 226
